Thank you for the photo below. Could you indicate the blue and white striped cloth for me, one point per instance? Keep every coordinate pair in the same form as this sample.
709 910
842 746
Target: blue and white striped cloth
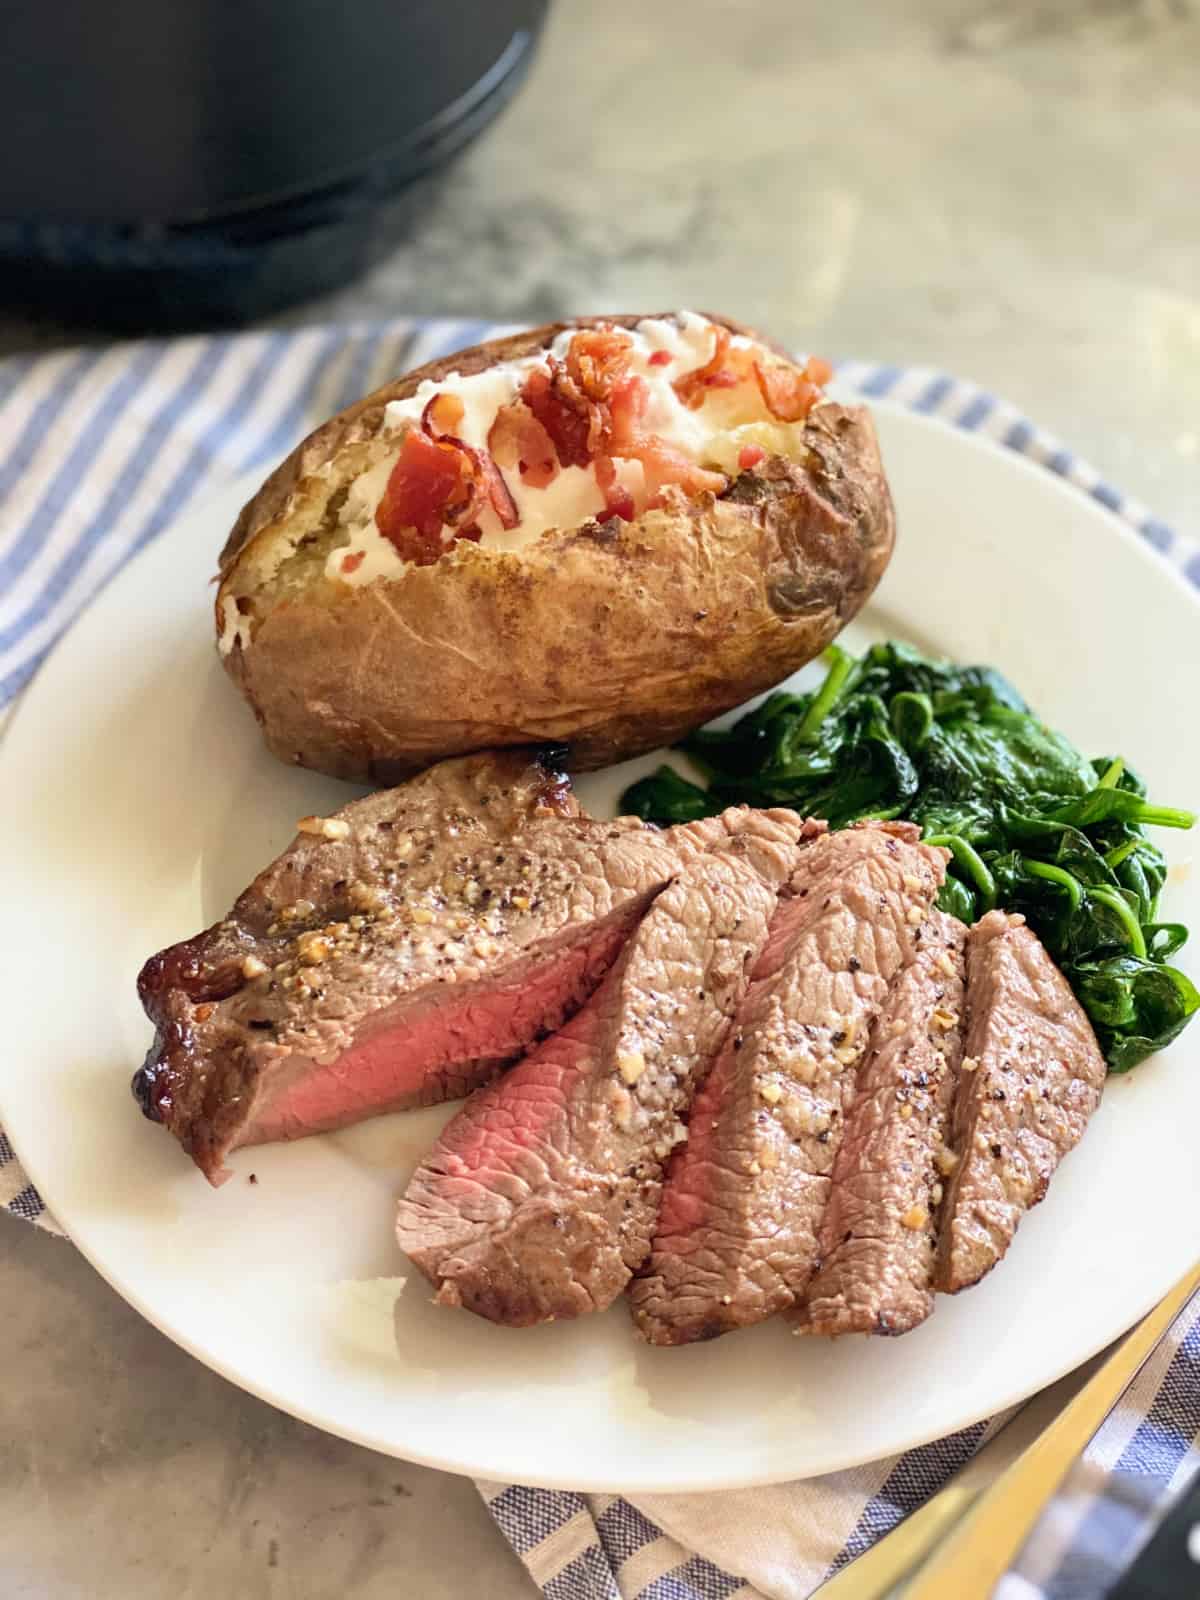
100 450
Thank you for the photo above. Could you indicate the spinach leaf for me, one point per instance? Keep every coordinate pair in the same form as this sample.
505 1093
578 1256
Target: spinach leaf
1031 825
1008 754
956 898
666 797
894 668
1098 805
1135 1006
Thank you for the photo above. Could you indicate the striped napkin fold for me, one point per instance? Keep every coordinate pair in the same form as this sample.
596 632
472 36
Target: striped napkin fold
100 450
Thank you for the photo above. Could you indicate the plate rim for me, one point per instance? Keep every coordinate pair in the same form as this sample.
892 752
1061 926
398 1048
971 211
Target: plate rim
449 1460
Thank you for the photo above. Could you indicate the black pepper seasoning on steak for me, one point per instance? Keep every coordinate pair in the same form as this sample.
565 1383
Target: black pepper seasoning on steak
539 1199
1032 1076
877 1235
737 1233
399 953
402 887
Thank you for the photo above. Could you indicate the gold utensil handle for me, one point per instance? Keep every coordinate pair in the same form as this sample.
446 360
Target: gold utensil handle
982 1547
877 1572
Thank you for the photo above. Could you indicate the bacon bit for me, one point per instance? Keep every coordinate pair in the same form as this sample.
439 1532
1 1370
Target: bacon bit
667 465
352 562
440 482
618 502
786 394
663 463
789 395
718 372
570 401
626 411
518 439
492 486
659 358
750 456
597 359
591 409
443 414
432 483
574 423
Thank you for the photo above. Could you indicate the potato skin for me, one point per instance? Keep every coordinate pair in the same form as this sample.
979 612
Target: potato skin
613 639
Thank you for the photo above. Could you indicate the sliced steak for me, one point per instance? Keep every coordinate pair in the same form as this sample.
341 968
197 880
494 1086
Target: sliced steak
345 865
737 1231
457 917
399 953
1032 1076
539 1199
877 1236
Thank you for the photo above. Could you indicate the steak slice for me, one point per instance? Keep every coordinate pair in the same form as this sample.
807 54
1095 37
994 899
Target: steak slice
1032 1076
539 1199
737 1231
345 865
877 1236
396 954
399 953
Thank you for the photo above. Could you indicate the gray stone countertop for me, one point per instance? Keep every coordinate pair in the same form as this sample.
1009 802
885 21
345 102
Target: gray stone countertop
1005 191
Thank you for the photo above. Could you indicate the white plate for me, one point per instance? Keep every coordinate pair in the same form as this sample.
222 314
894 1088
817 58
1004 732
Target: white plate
137 801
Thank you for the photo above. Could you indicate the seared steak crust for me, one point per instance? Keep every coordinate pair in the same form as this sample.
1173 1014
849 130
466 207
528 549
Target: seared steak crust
539 1199
399 953
877 1235
460 890
1032 1076
737 1232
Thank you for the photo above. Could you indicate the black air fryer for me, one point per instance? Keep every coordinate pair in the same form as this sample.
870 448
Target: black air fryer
176 162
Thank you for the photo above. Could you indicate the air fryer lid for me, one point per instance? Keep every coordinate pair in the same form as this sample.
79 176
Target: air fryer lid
143 112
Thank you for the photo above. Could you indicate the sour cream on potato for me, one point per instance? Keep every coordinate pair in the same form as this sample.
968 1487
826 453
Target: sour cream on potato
574 495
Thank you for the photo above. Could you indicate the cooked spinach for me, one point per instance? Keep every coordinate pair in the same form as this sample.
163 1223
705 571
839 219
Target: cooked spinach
1031 825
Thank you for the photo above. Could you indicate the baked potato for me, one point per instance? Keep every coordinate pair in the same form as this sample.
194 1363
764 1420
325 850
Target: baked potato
599 533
